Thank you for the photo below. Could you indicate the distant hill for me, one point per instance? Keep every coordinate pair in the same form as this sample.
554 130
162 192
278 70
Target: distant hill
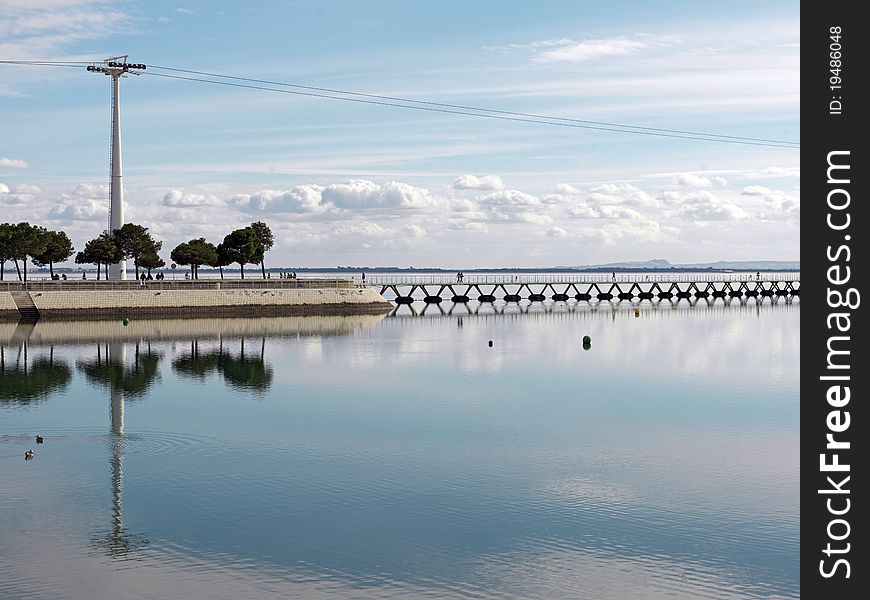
720 265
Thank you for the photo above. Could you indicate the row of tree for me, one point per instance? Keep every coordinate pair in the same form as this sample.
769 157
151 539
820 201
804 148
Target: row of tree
243 246
44 247
22 240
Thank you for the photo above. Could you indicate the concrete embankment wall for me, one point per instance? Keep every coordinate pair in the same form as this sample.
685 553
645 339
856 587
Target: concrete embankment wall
206 303
8 308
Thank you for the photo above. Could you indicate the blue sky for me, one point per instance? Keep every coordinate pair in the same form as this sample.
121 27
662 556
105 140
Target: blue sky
352 184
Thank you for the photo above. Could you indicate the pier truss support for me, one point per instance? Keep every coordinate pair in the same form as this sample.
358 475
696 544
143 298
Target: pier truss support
586 288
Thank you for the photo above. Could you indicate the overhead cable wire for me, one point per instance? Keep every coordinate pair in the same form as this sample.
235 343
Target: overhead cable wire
539 121
429 106
471 108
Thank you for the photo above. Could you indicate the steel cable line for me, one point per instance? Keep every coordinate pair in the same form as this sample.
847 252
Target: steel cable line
539 121
474 108
439 107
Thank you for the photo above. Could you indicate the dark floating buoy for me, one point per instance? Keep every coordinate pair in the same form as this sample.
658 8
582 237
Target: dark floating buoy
490 343
636 312
587 341
28 455
126 322
39 439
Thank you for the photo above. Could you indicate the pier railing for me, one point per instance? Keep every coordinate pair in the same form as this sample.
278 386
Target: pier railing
78 285
508 279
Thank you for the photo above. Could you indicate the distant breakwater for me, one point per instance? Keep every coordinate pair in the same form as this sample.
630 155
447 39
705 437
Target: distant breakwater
187 299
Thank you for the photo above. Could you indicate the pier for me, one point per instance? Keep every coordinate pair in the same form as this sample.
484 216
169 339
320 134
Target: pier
588 287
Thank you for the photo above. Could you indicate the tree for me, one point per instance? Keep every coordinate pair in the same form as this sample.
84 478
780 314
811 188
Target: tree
58 248
134 241
100 250
26 240
223 259
151 261
195 253
5 245
264 234
244 247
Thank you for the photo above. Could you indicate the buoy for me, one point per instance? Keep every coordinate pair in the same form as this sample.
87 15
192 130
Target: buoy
636 312
125 322
490 343
39 439
28 455
587 340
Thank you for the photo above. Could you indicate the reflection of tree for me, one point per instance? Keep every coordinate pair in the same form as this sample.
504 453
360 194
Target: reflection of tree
245 371
25 381
133 380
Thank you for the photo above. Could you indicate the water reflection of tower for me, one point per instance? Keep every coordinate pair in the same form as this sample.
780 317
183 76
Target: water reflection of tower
111 368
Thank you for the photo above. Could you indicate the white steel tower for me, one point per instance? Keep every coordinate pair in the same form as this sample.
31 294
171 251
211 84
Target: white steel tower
115 69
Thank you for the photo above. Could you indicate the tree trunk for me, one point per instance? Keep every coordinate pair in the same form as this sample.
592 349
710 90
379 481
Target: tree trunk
2 268
51 268
221 267
17 269
24 264
263 267
136 265
242 265
98 271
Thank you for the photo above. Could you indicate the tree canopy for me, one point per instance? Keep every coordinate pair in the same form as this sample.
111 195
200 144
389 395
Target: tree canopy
100 250
195 253
22 240
243 246
134 241
58 248
264 234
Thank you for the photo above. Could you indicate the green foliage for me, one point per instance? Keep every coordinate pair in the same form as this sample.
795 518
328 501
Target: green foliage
264 234
58 248
195 253
244 247
22 240
134 241
100 250
150 261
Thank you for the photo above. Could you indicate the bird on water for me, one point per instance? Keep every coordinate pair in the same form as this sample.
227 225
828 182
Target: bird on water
39 439
28 455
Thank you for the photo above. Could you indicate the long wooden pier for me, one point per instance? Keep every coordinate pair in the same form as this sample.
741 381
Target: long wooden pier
435 289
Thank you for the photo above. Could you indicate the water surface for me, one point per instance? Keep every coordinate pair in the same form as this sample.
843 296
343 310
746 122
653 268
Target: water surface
402 456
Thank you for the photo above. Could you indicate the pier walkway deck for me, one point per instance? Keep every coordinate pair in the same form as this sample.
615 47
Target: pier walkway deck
433 289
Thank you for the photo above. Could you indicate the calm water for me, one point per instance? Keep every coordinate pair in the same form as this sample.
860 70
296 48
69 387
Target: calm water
402 457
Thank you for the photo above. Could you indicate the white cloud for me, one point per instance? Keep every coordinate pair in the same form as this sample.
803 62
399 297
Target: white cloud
692 180
555 231
12 163
565 188
305 198
44 28
704 206
473 182
186 11
86 202
510 198
620 193
179 199
4 189
584 211
364 194
575 52
755 190
475 226
462 205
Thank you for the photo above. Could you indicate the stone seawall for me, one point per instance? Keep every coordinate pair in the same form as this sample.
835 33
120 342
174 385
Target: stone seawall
8 308
93 304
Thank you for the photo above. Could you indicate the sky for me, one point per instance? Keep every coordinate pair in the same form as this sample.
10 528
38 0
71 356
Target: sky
352 184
